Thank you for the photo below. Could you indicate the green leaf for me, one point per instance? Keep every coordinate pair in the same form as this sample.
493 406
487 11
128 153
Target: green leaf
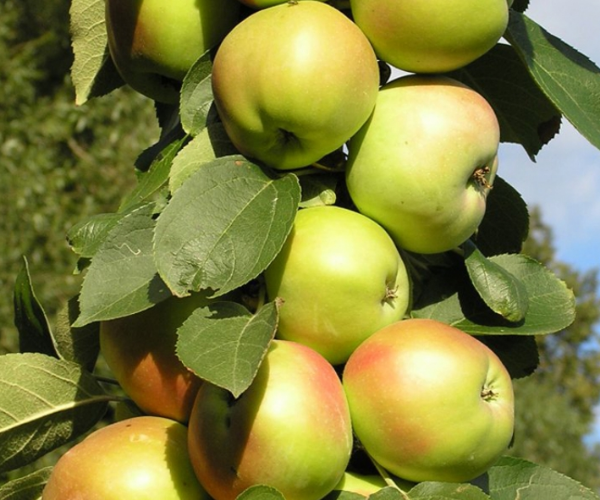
450 297
505 225
93 72
260 492
567 77
28 487
525 113
211 143
88 235
196 95
127 251
44 403
513 478
224 226
446 491
156 177
225 344
79 345
318 189
30 318
500 290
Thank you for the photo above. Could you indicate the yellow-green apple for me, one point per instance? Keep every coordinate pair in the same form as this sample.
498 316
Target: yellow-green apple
434 36
140 351
294 82
154 43
263 4
290 429
424 162
362 484
429 402
141 458
341 279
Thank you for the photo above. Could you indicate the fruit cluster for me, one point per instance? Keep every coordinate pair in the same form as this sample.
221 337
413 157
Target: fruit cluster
348 372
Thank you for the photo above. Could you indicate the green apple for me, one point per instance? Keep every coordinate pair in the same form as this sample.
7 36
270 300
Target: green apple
140 351
154 43
142 458
433 36
429 402
361 484
341 279
263 4
294 82
424 162
290 429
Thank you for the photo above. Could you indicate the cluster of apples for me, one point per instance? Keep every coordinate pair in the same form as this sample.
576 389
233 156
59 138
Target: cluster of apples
293 82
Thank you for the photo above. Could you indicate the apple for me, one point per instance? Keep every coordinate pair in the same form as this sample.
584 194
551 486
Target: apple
140 351
292 83
424 162
341 279
290 429
154 43
263 4
429 402
434 36
141 458
361 484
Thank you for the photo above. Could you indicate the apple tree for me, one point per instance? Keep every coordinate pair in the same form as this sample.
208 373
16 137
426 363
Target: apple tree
302 203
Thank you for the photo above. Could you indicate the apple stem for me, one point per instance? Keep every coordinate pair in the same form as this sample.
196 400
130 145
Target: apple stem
386 477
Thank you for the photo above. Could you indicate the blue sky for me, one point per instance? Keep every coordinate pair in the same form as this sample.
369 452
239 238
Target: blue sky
565 180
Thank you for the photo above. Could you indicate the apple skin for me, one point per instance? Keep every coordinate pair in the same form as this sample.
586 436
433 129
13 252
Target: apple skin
141 458
140 351
361 484
434 36
154 43
292 83
290 429
429 402
263 4
424 162
341 279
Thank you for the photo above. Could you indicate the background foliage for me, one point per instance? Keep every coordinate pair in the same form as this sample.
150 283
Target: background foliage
60 164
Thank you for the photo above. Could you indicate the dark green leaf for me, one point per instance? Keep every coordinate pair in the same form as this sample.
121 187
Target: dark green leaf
30 318
225 345
79 345
156 178
513 478
211 143
505 225
28 487
224 226
567 77
450 297
196 95
446 491
500 290
93 72
525 114
88 235
44 403
127 251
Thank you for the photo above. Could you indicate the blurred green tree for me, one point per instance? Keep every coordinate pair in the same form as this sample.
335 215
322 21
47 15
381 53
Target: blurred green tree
59 163
555 407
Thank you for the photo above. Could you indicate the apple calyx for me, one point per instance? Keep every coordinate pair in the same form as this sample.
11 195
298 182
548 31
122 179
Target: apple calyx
488 394
481 177
390 294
